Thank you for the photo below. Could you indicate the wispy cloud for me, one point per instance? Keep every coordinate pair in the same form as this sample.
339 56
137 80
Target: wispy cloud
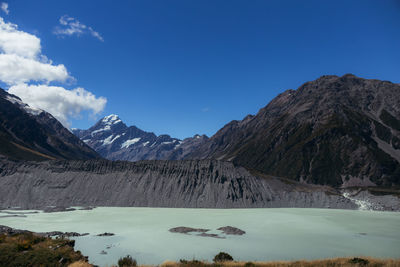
71 26
4 7
205 109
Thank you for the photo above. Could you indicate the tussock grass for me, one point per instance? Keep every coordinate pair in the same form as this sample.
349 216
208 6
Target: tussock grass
335 262
30 250
80 264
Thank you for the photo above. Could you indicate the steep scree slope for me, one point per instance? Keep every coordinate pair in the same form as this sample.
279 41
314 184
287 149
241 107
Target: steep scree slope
188 184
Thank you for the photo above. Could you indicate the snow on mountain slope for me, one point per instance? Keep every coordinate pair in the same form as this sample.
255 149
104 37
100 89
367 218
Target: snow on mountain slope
112 139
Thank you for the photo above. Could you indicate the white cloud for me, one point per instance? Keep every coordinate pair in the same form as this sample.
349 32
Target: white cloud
14 41
15 69
4 7
21 59
61 103
71 26
22 63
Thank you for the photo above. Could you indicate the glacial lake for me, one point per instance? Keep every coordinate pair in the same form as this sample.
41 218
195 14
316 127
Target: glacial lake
271 234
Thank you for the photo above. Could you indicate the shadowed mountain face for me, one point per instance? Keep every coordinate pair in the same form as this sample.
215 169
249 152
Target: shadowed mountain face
112 139
32 134
340 131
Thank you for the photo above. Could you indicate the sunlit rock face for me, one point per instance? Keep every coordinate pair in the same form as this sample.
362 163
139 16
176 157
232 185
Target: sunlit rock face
338 131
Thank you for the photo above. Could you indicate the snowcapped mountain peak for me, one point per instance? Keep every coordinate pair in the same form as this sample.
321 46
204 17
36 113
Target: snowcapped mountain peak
112 139
111 119
107 125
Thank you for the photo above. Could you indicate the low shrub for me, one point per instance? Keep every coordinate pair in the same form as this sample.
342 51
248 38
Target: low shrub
359 261
249 264
24 245
222 256
2 238
190 263
127 261
26 249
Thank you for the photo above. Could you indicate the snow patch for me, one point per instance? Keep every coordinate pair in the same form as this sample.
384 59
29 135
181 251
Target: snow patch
26 107
109 140
146 143
167 143
106 128
129 142
153 144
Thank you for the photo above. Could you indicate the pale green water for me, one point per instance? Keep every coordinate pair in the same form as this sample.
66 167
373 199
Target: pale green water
271 234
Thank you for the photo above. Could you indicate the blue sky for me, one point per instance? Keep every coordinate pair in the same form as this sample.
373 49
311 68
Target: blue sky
187 67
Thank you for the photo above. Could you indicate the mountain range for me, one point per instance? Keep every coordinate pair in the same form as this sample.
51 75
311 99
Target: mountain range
113 140
333 142
338 131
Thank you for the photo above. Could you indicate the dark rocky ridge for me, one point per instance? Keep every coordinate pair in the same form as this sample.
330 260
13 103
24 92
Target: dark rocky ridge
338 131
12 231
194 184
112 139
33 134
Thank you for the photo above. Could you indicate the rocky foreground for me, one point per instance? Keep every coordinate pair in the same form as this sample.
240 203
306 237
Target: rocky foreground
24 248
179 184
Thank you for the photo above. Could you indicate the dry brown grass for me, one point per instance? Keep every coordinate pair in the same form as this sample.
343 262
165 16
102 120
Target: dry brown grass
80 264
33 151
336 262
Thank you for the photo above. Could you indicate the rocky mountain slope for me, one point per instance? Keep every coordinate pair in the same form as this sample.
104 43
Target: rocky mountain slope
180 184
112 139
338 131
211 184
33 134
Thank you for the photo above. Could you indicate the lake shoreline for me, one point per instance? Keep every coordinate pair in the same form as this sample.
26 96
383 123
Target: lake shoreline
9 236
153 235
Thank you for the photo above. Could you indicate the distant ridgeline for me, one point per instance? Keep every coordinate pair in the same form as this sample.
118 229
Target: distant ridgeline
339 131
112 139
